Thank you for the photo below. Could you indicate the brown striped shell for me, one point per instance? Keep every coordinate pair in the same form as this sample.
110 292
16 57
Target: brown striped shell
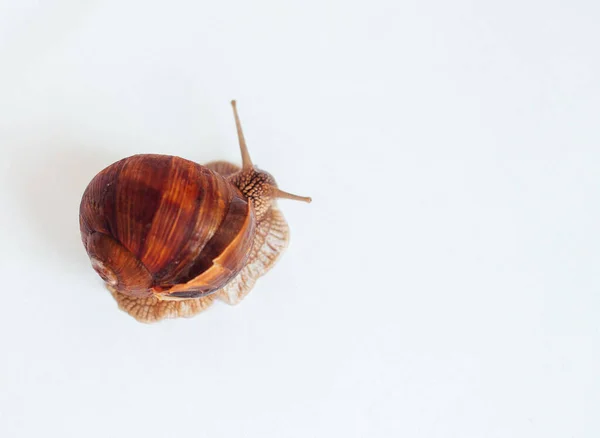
165 226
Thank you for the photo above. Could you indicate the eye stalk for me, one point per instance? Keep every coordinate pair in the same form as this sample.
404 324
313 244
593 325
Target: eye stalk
249 178
246 161
278 193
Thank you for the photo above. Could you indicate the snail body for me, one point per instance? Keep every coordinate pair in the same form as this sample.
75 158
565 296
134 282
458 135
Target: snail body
168 235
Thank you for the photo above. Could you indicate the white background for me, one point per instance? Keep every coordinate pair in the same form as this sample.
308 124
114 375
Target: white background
443 283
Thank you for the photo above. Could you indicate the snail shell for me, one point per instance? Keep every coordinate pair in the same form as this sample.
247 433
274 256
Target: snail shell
160 221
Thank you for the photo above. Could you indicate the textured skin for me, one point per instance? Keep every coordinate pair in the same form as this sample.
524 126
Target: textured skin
156 224
253 186
151 309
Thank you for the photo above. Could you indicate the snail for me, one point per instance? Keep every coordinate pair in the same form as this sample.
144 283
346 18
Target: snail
168 235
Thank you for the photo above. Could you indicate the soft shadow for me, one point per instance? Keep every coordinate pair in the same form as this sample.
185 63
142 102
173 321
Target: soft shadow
49 183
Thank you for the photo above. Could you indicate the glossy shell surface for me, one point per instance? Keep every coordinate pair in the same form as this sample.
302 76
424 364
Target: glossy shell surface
165 225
